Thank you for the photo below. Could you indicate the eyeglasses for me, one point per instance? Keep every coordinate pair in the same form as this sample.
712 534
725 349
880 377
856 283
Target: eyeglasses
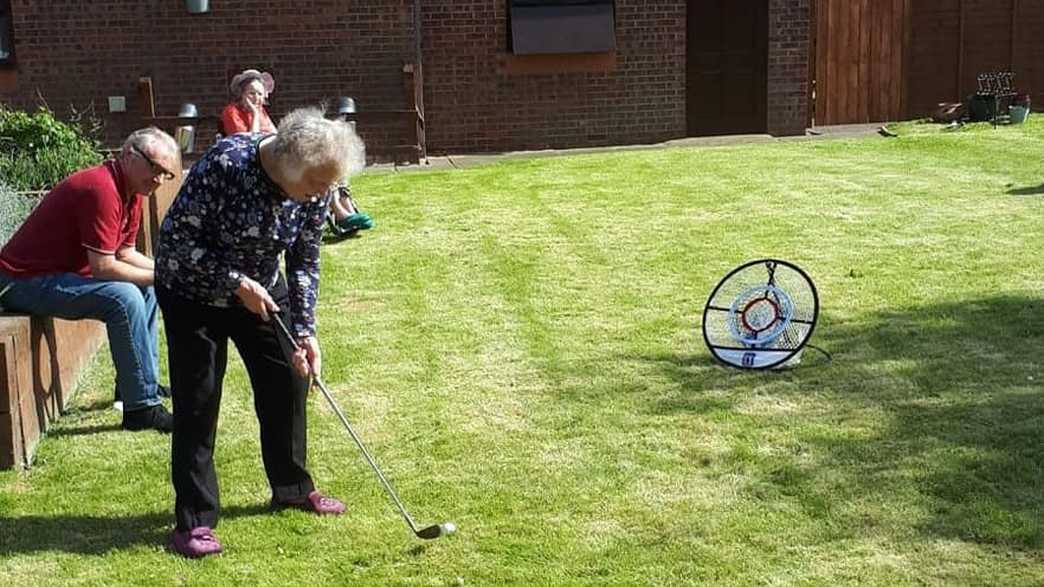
157 169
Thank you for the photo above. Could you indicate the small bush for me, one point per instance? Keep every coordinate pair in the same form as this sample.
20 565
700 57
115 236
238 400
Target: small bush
37 150
14 209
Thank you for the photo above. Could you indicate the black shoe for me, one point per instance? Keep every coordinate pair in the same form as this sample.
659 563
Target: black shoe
151 418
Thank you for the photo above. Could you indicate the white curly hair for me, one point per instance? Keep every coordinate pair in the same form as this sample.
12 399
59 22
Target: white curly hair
306 139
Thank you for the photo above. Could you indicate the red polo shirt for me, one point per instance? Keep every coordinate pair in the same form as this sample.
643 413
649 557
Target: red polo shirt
86 211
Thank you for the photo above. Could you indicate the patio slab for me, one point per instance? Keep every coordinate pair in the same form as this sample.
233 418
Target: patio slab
464 160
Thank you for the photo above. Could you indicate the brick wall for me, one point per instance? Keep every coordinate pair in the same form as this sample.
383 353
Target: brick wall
478 96
78 53
481 98
790 24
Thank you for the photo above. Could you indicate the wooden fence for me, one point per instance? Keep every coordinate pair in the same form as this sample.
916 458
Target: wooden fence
881 60
859 60
955 40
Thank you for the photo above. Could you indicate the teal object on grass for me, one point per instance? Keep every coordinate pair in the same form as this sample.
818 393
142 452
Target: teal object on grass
1019 114
357 221
350 225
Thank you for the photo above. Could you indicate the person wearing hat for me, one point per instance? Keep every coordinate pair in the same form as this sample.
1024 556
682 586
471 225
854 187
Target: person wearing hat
246 113
250 89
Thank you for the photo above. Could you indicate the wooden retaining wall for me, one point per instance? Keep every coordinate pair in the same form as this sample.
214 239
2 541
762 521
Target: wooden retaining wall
40 361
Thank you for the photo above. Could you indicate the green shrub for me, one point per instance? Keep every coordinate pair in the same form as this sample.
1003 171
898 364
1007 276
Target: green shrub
37 150
14 209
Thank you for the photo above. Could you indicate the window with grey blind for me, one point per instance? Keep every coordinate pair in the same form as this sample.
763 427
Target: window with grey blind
562 26
6 35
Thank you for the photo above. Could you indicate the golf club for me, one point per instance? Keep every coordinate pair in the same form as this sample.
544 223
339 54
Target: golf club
428 533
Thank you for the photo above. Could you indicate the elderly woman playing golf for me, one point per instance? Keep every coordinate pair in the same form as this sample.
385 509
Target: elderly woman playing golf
249 201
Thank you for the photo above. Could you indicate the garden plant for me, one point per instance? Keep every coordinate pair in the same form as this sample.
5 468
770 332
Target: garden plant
37 150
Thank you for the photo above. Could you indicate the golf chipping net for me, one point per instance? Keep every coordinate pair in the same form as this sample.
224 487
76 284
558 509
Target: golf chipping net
761 315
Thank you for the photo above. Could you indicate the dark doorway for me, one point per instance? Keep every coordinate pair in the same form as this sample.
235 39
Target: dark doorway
727 66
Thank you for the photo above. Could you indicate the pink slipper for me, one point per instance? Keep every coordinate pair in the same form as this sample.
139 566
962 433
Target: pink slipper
314 502
195 543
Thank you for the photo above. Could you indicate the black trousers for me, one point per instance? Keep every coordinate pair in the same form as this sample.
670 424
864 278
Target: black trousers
197 348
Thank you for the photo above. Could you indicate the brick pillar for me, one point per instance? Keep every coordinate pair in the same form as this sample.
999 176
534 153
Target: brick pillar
789 44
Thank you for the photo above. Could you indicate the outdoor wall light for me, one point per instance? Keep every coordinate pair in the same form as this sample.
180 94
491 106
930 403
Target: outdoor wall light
197 6
345 108
345 105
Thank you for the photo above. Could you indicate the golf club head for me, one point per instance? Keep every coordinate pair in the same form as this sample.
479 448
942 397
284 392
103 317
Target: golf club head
435 530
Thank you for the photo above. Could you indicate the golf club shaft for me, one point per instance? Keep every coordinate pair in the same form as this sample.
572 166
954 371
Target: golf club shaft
366 453
355 437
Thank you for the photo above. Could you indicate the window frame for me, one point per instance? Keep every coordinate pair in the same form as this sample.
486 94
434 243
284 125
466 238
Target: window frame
7 33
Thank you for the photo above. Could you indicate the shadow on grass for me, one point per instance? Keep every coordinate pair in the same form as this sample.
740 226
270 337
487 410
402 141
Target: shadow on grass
94 534
59 432
967 418
83 405
1027 191
709 385
936 408
706 384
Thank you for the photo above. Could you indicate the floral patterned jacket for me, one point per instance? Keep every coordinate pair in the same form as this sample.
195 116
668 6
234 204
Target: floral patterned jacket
230 219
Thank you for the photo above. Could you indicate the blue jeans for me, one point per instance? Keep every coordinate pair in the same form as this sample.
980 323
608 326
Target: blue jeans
129 314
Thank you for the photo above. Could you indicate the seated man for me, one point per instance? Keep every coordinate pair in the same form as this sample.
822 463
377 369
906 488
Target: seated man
74 258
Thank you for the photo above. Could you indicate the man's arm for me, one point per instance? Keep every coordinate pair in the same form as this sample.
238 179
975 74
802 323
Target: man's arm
131 256
109 268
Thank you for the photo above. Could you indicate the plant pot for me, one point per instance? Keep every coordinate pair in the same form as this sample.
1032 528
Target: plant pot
197 6
1018 114
980 108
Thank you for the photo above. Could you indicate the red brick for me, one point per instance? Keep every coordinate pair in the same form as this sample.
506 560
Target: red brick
78 53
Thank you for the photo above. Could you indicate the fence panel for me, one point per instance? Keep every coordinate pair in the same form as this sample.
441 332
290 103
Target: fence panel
859 60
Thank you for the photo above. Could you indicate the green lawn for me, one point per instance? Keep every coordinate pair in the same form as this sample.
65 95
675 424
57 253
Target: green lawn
519 345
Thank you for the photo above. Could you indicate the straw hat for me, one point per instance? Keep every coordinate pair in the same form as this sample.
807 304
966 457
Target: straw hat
249 75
